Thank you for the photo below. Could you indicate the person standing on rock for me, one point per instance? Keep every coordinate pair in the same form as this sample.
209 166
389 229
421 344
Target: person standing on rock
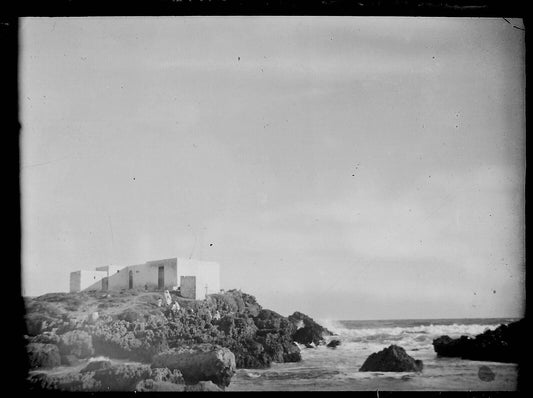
168 299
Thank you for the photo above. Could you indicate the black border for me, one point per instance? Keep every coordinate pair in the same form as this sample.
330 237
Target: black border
9 30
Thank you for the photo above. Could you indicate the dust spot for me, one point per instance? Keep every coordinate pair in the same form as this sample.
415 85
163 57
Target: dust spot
485 373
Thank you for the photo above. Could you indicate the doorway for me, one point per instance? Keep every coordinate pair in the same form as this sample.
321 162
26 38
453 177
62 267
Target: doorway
161 277
130 280
105 283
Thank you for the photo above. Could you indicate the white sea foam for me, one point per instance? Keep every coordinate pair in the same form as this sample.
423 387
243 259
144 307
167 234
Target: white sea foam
409 337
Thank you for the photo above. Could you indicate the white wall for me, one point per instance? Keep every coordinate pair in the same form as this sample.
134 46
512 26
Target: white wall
186 267
91 280
75 279
170 273
147 274
119 280
207 274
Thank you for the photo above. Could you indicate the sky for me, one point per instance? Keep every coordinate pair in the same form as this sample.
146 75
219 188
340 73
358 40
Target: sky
345 167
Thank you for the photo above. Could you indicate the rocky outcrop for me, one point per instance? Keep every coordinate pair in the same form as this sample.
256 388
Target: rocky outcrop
503 344
43 355
130 325
203 362
391 359
310 333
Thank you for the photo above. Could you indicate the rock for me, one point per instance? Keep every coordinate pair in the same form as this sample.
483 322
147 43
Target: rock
391 359
292 353
167 375
203 386
123 377
45 338
312 332
66 382
485 373
334 343
199 363
76 342
504 344
93 366
43 355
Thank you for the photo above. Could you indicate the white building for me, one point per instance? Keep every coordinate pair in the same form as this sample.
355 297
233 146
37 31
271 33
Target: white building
195 278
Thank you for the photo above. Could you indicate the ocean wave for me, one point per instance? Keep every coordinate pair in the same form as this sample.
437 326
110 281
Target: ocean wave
420 333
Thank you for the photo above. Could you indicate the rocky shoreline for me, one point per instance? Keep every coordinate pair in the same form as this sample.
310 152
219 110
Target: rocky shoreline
128 341
202 342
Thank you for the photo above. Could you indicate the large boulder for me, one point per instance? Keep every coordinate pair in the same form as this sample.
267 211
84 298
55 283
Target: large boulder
503 344
391 359
310 333
199 363
43 355
76 342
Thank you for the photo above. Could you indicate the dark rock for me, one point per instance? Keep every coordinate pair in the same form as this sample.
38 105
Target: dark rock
43 355
311 332
122 377
485 373
334 343
199 363
291 353
391 359
504 344
76 342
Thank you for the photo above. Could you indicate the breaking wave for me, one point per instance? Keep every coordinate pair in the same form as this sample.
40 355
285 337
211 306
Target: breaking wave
351 331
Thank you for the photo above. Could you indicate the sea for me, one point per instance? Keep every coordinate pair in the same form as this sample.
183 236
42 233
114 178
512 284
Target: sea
337 369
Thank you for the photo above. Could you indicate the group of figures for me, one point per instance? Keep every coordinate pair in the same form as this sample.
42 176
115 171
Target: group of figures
175 307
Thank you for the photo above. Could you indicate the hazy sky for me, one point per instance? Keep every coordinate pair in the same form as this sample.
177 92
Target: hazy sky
349 168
